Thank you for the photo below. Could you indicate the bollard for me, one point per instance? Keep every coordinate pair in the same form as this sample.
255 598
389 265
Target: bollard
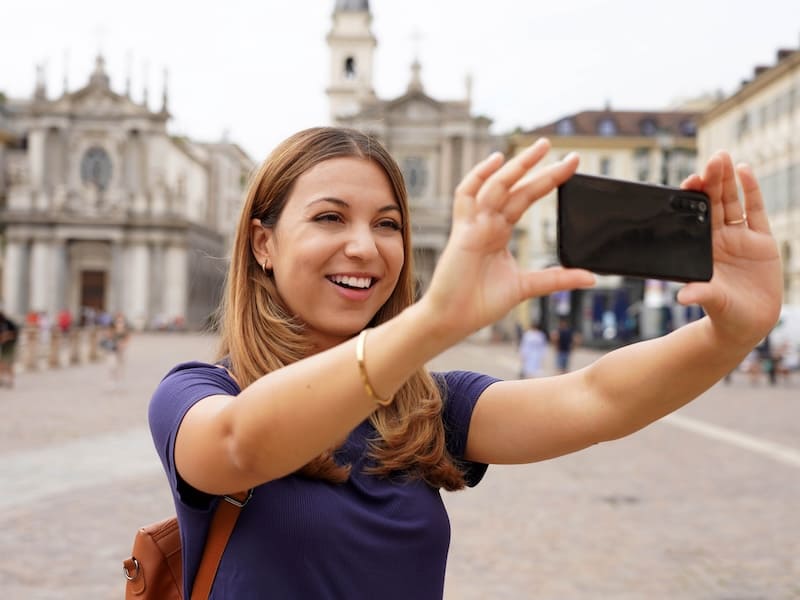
30 361
94 355
74 346
53 358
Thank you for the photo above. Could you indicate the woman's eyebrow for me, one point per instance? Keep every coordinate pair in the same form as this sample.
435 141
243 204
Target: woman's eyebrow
345 204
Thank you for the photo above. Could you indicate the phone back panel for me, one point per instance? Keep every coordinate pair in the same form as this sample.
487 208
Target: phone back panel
626 228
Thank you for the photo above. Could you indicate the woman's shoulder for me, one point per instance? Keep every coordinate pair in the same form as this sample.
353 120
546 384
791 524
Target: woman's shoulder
463 383
184 385
194 378
199 371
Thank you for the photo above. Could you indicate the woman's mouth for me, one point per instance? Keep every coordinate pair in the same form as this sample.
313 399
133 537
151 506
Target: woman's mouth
351 282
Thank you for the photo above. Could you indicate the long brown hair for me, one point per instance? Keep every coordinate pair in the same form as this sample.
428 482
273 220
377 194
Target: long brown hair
259 335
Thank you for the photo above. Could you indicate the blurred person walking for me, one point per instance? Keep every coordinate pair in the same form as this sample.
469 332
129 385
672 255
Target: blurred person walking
532 348
9 333
565 339
116 342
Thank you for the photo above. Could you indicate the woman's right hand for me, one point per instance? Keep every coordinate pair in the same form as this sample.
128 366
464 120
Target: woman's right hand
477 280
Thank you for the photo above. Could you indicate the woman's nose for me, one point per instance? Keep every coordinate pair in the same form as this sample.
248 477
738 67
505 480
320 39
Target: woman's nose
361 243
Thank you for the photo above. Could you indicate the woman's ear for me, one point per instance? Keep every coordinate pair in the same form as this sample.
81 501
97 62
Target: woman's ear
259 236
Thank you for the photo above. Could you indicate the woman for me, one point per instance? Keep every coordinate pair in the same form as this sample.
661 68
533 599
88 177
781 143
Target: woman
323 405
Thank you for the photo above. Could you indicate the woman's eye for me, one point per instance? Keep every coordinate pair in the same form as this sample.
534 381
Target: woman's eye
390 224
328 218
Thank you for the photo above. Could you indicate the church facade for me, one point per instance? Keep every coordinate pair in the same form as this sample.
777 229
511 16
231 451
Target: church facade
102 209
435 142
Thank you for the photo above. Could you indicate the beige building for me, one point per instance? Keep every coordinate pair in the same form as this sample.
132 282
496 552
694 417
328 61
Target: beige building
102 209
760 124
435 142
648 146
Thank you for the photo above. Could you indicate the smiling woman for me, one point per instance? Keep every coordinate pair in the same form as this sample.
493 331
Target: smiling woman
321 403
339 239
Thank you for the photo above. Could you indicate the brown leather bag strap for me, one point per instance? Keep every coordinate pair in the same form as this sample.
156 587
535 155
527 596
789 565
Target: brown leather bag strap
222 524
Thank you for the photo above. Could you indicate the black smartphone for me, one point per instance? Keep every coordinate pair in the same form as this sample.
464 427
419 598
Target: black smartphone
618 227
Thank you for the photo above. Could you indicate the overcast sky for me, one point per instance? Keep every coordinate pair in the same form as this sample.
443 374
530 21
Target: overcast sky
258 69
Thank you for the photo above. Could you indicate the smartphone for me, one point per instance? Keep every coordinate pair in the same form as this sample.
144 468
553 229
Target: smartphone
617 227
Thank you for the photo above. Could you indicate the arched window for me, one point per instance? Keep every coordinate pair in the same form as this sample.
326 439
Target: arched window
606 127
648 127
349 68
565 127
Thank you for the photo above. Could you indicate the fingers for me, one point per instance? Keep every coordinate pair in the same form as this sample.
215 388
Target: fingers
554 279
695 293
468 188
495 192
753 200
712 186
692 182
525 192
732 208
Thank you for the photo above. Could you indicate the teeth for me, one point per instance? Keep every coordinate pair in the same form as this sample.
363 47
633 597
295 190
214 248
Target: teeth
355 282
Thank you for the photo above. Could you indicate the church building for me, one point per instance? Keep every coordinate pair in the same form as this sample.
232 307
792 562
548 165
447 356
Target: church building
102 209
435 142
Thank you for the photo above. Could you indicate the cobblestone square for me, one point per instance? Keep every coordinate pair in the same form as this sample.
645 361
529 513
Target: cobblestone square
698 506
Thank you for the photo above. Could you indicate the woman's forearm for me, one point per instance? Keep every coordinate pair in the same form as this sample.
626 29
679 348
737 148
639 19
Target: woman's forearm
291 415
643 382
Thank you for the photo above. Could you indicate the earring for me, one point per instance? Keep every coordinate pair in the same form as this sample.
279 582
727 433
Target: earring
264 266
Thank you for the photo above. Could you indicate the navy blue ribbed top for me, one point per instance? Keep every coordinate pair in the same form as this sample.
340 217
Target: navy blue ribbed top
370 537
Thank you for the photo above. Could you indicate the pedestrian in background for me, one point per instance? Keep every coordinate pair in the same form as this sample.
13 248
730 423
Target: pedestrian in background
564 339
9 334
532 349
321 403
64 320
118 336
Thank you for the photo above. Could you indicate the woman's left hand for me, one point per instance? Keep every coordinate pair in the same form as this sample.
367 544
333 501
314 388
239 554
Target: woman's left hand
743 298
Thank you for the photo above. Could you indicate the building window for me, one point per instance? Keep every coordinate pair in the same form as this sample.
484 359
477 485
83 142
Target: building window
648 127
687 127
641 159
607 127
743 125
415 174
605 165
565 127
349 68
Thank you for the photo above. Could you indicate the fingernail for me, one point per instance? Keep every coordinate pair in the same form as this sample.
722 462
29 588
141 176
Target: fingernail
569 157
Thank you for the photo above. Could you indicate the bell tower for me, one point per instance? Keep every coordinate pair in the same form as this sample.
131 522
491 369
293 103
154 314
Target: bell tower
352 47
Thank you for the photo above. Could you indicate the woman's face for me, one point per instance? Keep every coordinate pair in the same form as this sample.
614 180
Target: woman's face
337 250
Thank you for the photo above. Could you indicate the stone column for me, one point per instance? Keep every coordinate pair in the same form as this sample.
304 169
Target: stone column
117 282
445 171
59 298
13 278
157 280
37 148
176 281
138 275
41 273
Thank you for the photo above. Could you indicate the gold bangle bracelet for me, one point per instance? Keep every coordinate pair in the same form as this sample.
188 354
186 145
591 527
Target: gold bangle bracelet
360 354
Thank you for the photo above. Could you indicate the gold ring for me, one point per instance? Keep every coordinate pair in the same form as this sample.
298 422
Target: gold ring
737 221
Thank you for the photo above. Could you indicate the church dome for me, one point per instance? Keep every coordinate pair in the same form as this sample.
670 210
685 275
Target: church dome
352 5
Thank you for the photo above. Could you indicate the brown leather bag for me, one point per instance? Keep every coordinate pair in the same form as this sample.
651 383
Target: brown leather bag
154 571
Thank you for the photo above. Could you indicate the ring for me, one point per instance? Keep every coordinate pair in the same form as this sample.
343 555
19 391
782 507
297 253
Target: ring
737 221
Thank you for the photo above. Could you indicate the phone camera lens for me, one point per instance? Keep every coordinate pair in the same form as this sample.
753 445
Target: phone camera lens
702 206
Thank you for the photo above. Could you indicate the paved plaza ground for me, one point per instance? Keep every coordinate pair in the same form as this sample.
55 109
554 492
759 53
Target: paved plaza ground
704 504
